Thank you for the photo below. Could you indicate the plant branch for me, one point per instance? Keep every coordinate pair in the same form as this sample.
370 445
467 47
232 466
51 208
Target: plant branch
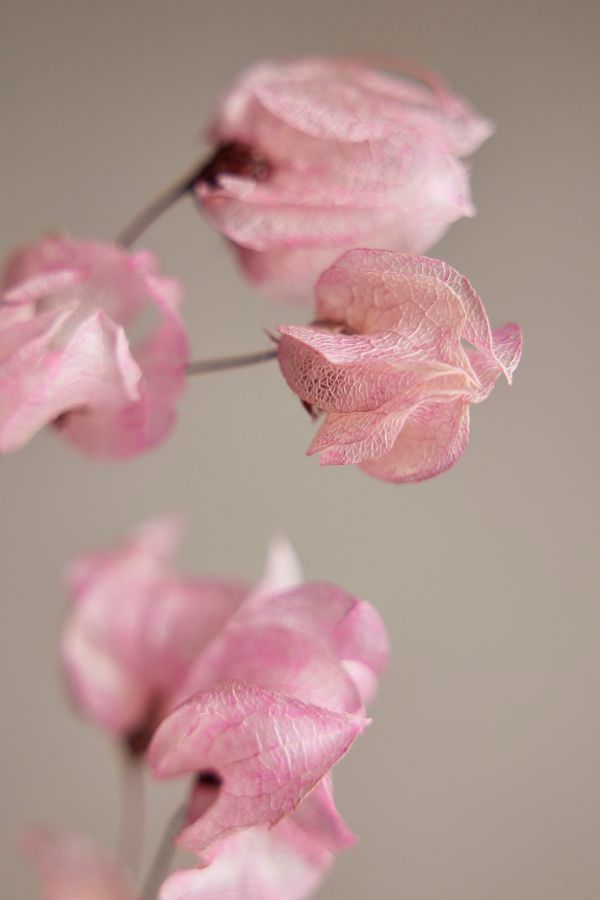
161 203
203 366
161 863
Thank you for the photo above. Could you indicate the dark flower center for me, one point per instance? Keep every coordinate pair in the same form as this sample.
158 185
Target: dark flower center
234 158
209 778
138 740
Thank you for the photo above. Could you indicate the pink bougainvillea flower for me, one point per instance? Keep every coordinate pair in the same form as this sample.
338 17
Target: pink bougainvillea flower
268 750
72 867
91 341
275 699
254 692
400 348
315 156
135 627
286 862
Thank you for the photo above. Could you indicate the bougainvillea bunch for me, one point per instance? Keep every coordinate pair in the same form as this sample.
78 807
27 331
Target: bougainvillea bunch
328 178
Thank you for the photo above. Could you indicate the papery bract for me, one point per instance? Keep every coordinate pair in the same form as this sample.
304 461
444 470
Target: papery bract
135 627
315 156
275 699
400 348
269 749
68 355
72 867
285 862
271 682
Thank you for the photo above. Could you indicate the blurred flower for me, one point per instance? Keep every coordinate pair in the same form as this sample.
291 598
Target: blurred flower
271 682
68 310
401 347
71 867
286 862
315 156
134 628
275 700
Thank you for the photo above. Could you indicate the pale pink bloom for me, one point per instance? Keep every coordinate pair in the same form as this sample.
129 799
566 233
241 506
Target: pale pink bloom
268 749
315 156
92 342
286 862
134 628
400 348
276 699
72 867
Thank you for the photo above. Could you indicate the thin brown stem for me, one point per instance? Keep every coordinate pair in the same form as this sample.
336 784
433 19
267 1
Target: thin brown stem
133 812
203 366
161 203
163 859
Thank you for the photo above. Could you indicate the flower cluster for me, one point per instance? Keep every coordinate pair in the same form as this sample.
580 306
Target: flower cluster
253 692
328 178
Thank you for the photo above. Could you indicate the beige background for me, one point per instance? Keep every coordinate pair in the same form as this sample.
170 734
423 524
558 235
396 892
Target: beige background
479 779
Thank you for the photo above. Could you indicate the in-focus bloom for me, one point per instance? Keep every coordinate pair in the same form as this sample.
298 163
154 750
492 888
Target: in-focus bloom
270 705
400 348
72 867
316 156
91 341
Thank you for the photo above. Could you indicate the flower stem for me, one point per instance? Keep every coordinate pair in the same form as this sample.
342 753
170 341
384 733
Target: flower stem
133 813
203 366
164 855
161 203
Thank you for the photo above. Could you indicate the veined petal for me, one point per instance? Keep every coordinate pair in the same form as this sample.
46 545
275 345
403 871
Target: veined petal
433 438
270 751
95 368
351 627
263 652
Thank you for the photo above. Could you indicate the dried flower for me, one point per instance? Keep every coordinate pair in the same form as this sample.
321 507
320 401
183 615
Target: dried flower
315 156
401 348
67 355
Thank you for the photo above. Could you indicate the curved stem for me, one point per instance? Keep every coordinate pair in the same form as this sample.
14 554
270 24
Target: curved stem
203 366
161 203
164 855
132 822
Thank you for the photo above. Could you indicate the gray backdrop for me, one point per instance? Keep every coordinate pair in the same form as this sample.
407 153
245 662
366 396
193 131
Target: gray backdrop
479 778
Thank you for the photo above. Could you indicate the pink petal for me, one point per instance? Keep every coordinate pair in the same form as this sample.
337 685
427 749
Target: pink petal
274 226
257 864
269 749
282 569
350 627
125 431
285 862
95 368
504 357
271 656
71 867
372 376
432 440
348 438
39 286
112 395
135 627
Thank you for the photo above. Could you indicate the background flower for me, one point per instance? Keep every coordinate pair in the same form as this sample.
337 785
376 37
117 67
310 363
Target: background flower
134 628
91 341
72 867
401 348
317 155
